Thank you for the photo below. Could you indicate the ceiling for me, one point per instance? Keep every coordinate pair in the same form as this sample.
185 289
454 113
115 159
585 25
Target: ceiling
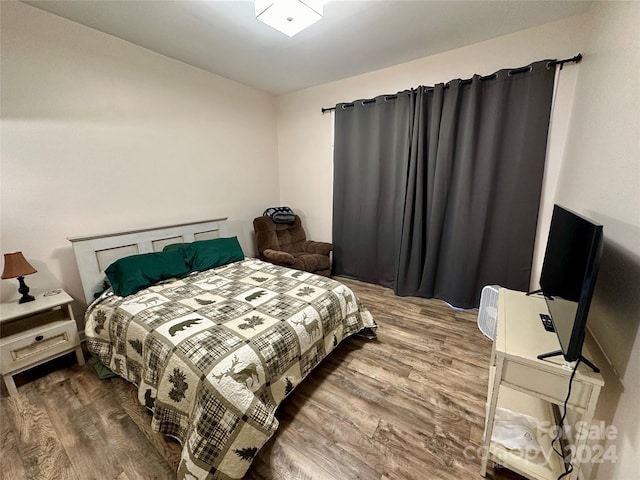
354 37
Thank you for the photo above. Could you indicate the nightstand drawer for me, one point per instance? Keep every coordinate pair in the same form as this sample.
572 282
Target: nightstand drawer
37 344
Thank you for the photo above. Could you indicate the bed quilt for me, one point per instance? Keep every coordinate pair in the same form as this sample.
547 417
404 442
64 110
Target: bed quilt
215 353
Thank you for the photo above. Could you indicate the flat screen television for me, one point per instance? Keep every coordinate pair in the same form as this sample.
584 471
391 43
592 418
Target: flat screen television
568 278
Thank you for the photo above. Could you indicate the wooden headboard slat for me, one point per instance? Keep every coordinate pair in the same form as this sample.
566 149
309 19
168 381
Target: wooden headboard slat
90 249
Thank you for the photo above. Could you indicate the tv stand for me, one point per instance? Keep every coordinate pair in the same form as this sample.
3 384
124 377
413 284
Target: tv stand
555 353
520 382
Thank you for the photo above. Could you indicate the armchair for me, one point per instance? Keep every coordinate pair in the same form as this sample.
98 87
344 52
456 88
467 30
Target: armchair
287 245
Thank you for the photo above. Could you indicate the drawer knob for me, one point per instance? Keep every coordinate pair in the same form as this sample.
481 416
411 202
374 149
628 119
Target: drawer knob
39 338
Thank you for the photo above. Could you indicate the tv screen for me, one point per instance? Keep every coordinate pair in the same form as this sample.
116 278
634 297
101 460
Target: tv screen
569 275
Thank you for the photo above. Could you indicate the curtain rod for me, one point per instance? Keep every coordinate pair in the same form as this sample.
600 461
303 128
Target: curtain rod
552 63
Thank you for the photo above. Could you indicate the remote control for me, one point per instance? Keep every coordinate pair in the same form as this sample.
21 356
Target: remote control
547 323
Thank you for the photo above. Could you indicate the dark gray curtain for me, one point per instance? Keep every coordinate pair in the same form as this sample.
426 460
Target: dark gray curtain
471 191
370 174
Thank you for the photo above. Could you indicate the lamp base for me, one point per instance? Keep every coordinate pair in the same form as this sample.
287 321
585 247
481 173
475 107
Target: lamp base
24 290
26 298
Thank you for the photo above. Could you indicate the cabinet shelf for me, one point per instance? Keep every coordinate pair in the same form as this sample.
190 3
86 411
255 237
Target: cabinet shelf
546 465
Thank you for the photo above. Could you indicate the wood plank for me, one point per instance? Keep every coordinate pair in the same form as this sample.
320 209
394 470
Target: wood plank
120 431
36 439
342 449
412 449
12 466
78 434
359 415
384 400
281 459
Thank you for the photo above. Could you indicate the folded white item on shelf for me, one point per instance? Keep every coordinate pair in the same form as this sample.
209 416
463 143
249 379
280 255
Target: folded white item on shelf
515 431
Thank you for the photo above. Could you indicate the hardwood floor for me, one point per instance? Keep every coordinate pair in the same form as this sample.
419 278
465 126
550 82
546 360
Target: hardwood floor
404 406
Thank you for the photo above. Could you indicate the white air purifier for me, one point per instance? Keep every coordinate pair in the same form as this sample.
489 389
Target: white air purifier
488 311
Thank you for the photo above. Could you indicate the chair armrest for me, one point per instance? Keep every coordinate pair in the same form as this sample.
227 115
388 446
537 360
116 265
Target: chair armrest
323 248
279 257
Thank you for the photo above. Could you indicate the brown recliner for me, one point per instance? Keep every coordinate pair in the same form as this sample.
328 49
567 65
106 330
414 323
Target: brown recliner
287 245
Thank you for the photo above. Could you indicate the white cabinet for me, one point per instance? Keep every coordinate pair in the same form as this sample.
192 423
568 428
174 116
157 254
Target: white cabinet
521 383
35 332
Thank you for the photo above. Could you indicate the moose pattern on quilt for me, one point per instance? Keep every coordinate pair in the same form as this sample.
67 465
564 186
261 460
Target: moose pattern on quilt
215 353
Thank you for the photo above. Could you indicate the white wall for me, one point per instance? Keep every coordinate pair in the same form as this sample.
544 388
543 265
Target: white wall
100 135
600 178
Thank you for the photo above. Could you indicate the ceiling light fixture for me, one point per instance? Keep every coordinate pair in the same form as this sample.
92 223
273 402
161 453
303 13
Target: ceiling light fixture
289 16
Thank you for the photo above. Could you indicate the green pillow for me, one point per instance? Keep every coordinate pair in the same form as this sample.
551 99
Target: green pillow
130 274
206 254
176 246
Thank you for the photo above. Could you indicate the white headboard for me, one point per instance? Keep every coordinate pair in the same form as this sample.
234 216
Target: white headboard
95 253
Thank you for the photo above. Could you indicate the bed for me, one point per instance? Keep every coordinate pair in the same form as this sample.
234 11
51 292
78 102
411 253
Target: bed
214 352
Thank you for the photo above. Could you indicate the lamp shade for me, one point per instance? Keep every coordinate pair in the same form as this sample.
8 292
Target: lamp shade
15 265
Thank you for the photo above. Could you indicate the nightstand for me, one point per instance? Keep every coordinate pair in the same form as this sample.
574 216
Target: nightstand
35 332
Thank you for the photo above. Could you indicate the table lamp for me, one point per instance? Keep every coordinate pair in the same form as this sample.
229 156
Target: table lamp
15 266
